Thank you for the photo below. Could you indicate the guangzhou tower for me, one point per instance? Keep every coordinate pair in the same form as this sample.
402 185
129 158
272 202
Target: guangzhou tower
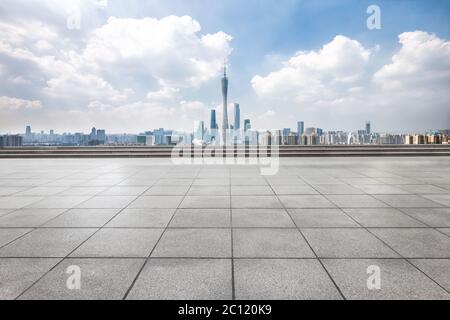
225 105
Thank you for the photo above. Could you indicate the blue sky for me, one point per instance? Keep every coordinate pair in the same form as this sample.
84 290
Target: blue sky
289 60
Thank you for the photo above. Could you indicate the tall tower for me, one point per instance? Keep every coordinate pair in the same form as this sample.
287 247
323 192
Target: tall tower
237 117
213 120
225 126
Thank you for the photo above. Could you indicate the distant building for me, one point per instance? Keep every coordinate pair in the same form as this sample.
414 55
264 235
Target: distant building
101 136
93 134
247 125
237 117
199 130
300 128
368 127
11 141
213 124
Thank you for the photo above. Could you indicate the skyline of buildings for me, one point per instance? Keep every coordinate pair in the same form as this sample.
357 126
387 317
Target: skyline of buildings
227 134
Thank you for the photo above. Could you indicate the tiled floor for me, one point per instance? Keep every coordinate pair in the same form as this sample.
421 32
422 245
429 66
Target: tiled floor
148 229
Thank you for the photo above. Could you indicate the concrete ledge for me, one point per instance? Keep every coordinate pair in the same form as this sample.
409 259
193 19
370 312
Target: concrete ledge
284 151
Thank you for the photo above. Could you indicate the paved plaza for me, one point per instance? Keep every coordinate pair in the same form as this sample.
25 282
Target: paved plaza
148 229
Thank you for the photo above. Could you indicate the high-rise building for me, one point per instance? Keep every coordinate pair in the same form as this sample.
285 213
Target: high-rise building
368 127
28 131
93 135
237 117
199 130
300 128
213 120
101 136
247 125
225 105
11 141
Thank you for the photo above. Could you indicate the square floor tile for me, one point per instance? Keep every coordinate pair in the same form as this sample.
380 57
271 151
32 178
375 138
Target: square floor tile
263 218
101 279
382 217
423 188
59 202
212 182
167 191
82 218
50 243
407 201
321 218
255 202
436 269
29 218
142 218
209 191
270 243
380 189
134 243
443 199
433 217
416 243
156 202
293 189
399 280
346 243
201 218
180 279
19 274
12 202
8 235
42 191
4 212
251 190
8 191
107 202
306 201
190 243
124 191
248 181
82 191
282 279
206 202
337 189
356 201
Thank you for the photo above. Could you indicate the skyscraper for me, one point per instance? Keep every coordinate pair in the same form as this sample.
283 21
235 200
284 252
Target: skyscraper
300 128
199 130
213 120
247 125
225 105
28 131
237 117
368 127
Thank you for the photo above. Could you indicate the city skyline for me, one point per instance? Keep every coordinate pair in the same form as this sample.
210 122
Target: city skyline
75 64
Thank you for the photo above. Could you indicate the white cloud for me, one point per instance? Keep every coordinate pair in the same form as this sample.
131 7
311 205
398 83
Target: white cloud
118 65
308 75
422 62
334 87
17 103
170 49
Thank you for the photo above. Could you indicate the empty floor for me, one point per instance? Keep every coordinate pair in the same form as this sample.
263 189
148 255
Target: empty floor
150 229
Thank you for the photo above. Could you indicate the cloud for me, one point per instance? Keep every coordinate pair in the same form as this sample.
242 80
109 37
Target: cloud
170 49
308 75
335 87
118 64
423 61
16 103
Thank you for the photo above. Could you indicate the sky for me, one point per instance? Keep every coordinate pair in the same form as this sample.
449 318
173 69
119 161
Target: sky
132 66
